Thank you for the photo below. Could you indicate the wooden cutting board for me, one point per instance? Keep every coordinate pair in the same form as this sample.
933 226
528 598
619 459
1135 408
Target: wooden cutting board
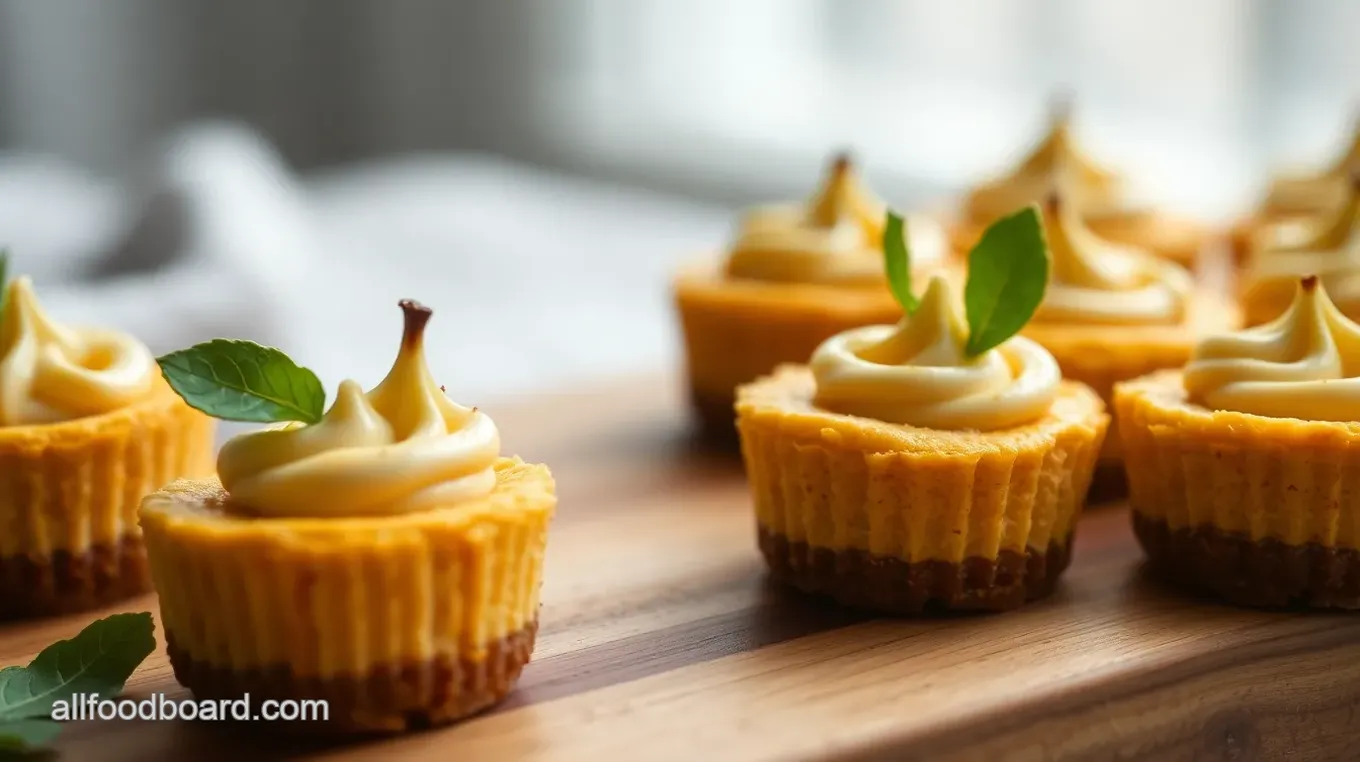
661 639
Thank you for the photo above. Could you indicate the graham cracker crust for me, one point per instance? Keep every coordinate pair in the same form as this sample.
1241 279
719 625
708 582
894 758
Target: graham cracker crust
1262 574
388 699
67 583
890 585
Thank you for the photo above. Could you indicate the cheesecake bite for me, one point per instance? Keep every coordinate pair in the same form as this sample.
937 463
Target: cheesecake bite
793 275
932 463
1241 471
87 428
384 556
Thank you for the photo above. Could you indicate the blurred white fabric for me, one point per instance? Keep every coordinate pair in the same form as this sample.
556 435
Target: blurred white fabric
537 281
209 236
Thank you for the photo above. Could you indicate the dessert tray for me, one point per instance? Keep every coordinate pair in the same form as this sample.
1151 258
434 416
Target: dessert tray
661 638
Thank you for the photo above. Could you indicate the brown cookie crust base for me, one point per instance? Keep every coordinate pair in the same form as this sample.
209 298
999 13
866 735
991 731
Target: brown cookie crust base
67 583
1265 574
387 699
856 578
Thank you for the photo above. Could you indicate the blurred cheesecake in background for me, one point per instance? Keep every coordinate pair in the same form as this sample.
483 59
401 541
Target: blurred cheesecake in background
1100 193
795 274
1327 246
1300 207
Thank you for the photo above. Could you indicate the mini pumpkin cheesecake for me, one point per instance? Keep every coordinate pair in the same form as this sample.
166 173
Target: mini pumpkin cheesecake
1114 312
385 557
1296 207
1099 194
1242 473
925 465
795 275
1327 246
87 428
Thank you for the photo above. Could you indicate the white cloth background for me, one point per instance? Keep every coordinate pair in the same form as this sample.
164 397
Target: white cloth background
537 281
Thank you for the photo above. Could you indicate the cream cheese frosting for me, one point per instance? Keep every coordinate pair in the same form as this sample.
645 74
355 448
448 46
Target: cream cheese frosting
1310 193
1330 251
1271 279
402 447
917 373
1093 280
1303 365
1056 158
51 373
834 238
1325 231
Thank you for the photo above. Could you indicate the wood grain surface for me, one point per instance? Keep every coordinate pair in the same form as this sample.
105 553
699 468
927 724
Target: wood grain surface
661 639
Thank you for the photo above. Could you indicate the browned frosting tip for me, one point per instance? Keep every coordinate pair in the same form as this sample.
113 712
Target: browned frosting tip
417 316
841 163
1052 203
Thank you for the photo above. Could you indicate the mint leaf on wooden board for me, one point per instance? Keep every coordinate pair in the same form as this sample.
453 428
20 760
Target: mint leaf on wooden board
236 380
97 660
1007 275
26 735
897 262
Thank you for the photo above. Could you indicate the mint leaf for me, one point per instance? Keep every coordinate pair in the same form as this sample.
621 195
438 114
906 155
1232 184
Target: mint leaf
897 262
97 660
1007 275
26 735
237 380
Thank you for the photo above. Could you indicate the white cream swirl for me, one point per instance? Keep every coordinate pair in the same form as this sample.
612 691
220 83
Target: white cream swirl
1326 231
1306 194
1056 160
403 447
1330 251
51 373
1303 365
1092 280
835 238
916 373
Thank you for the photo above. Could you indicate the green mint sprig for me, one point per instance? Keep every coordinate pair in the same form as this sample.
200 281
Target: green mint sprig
98 660
236 380
1007 275
897 262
